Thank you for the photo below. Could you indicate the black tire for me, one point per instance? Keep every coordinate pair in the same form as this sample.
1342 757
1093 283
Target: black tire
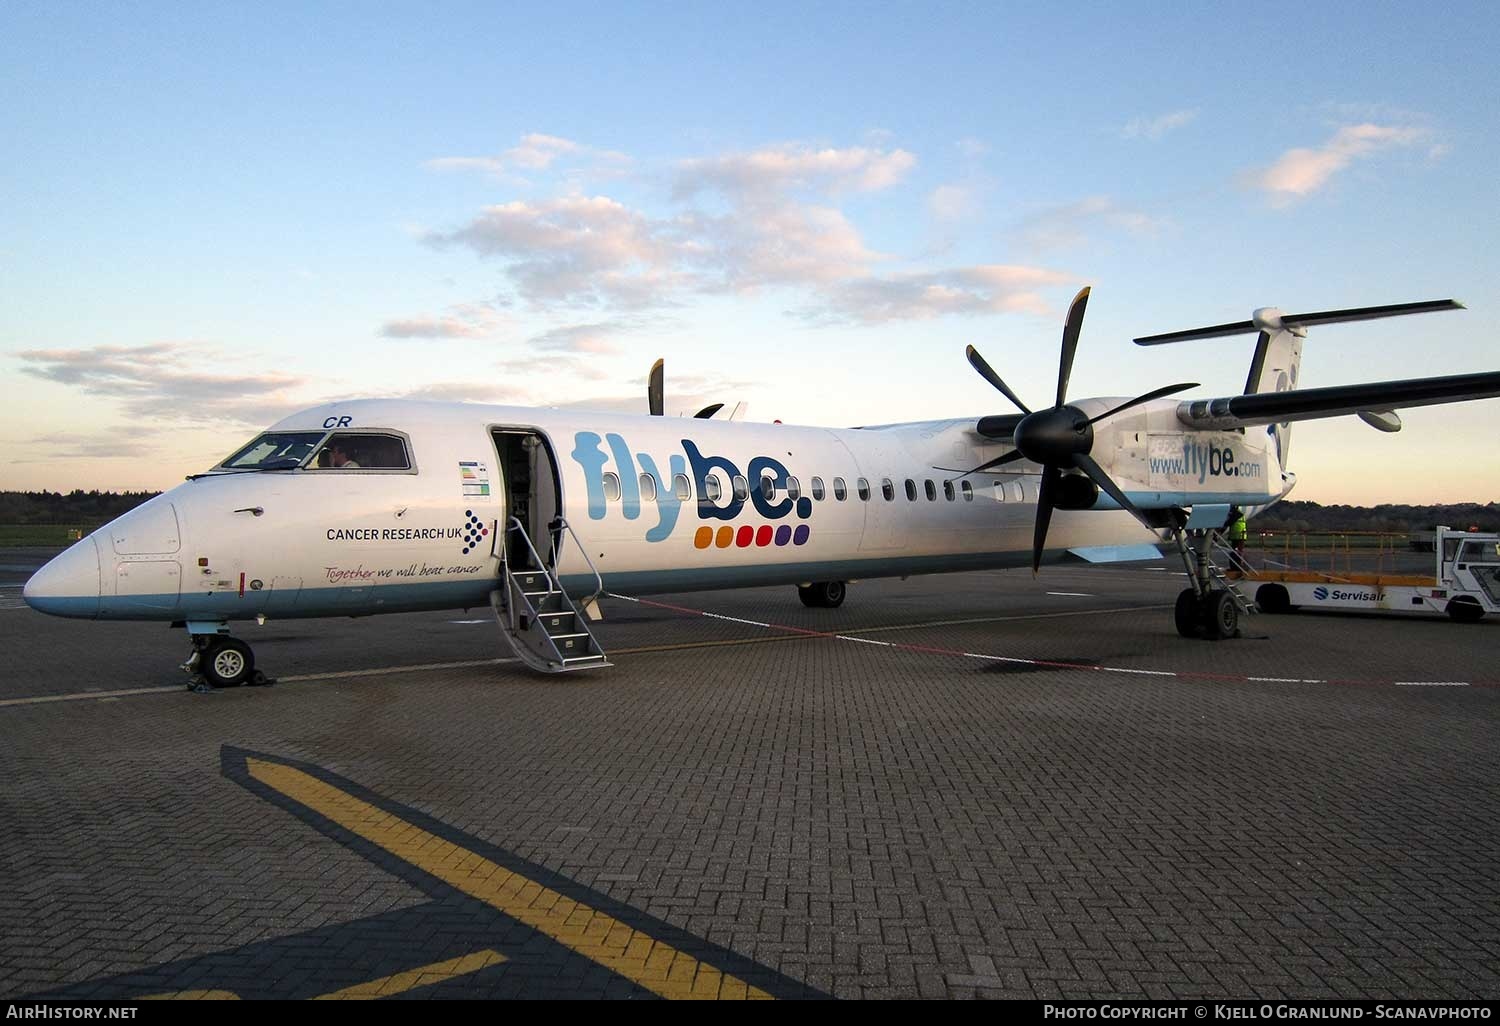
1465 610
227 663
1221 617
822 594
1273 599
1186 616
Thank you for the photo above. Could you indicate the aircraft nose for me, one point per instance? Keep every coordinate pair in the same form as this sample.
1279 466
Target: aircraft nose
69 585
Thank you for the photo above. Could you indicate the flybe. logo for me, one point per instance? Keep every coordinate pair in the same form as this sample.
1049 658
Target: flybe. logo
770 502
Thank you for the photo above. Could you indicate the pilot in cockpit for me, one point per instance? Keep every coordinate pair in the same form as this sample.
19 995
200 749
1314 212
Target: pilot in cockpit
339 458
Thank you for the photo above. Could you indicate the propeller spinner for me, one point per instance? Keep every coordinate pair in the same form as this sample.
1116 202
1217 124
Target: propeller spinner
1062 436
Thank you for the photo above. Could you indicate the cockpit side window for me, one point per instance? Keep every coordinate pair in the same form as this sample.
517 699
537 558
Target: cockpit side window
275 450
358 450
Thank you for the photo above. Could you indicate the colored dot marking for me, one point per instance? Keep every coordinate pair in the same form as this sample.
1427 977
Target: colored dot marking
725 538
799 537
745 537
783 534
763 536
703 538
468 512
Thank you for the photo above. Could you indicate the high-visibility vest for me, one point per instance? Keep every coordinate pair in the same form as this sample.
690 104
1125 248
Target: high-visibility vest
1239 530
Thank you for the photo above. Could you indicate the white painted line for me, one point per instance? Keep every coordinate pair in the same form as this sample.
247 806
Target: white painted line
1071 594
85 695
627 598
383 670
1000 659
863 641
735 619
1147 673
1432 683
1277 680
470 621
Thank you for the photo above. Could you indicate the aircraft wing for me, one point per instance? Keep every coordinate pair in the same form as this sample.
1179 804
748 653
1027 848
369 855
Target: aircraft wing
1338 401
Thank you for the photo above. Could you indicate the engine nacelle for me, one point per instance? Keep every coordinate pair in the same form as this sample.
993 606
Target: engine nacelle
1074 491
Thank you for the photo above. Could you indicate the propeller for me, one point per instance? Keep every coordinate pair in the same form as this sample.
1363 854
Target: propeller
1061 437
656 387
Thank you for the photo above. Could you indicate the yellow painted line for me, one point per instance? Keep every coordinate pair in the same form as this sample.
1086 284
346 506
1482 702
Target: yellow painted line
597 936
400 983
191 995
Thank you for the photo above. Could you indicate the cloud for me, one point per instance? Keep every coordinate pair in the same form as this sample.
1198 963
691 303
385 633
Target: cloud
580 338
951 202
1301 172
473 320
535 152
788 167
151 382
1068 225
113 444
590 249
967 291
1157 127
465 392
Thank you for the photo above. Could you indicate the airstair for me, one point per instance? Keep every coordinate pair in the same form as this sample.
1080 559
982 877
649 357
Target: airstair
545 628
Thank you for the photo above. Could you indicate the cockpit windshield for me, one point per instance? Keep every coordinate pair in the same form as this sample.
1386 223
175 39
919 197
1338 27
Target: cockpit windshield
275 450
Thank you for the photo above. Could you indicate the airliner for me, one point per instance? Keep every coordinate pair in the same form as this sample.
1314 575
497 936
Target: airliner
362 507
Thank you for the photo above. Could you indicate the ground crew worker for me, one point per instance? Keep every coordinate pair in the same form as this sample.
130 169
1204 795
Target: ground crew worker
1238 532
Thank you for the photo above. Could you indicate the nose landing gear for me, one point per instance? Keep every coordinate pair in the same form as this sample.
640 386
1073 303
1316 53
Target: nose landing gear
219 661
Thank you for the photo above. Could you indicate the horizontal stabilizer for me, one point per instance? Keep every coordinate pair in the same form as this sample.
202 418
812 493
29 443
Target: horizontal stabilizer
1273 320
1314 403
1115 553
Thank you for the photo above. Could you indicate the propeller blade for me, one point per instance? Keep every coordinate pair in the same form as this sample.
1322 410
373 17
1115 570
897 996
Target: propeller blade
656 389
708 411
1100 478
988 373
1071 330
1045 499
1157 394
998 461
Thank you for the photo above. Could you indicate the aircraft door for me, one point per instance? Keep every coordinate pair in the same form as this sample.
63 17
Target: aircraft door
528 473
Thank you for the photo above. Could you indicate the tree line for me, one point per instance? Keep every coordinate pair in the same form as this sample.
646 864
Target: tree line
75 507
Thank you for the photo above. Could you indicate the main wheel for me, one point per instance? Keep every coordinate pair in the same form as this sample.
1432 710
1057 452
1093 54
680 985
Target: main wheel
822 594
1273 598
1465 610
1221 617
1185 614
227 662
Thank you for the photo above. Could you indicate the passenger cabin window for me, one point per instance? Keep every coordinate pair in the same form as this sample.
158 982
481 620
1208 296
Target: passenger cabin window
911 490
349 450
713 490
611 487
741 488
768 488
999 491
1017 492
864 490
887 489
839 491
948 490
793 488
684 487
931 490
967 489
817 489
648 488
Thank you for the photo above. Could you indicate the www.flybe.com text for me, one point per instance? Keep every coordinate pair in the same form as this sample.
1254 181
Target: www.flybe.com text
1205 461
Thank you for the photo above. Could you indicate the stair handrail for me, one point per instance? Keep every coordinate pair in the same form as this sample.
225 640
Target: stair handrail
516 525
561 522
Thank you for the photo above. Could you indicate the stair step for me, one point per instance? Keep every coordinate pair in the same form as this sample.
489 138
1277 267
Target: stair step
558 623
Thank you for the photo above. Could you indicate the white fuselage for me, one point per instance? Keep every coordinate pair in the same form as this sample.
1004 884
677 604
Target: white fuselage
318 542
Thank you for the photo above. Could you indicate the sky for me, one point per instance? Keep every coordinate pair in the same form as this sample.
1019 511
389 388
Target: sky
214 215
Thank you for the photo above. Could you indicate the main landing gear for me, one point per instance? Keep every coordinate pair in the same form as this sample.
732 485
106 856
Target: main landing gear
822 594
219 661
1211 608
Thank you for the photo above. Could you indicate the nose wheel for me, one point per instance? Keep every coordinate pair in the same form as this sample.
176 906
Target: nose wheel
220 661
